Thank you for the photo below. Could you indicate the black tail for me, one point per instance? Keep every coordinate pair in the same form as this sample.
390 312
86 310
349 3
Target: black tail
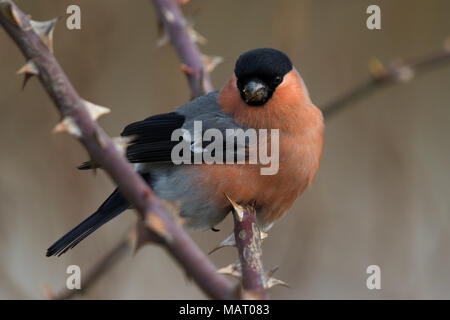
112 207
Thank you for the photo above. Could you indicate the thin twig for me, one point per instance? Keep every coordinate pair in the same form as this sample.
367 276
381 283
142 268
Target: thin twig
98 270
383 77
191 58
80 122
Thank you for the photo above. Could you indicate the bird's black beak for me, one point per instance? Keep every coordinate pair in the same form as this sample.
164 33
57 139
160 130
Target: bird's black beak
255 92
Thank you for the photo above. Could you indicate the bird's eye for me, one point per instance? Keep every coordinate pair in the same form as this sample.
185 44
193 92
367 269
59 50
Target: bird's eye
277 79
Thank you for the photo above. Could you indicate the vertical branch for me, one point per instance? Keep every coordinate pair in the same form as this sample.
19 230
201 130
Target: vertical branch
248 243
191 58
247 238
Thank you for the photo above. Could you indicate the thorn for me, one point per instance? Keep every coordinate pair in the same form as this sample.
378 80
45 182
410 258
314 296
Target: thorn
85 165
263 235
141 236
91 165
215 229
187 70
168 15
28 70
401 71
272 271
95 111
163 40
156 224
233 270
26 77
211 62
376 68
10 13
272 282
194 35
68 125
237 209
44 29
405 74
163 35
29 67
121 143
228 242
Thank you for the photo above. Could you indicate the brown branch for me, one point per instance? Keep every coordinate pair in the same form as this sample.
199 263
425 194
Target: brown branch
248 242
80 122
192 60
381 78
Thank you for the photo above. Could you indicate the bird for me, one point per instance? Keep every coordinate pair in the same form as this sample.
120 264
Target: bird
265 92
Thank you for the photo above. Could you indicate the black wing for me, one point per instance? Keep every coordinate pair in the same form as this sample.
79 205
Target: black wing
153 137
152 142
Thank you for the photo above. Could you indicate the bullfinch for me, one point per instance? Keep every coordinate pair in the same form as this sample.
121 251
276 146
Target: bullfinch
265 93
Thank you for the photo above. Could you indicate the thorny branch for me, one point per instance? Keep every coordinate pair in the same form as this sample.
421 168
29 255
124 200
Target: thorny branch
382 77
248 243
183 38
78 119
247 237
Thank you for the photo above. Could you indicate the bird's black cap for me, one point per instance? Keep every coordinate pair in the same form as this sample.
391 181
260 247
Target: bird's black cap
265 64
259 72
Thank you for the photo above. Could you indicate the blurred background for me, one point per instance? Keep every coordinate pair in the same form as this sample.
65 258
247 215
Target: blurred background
381 196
